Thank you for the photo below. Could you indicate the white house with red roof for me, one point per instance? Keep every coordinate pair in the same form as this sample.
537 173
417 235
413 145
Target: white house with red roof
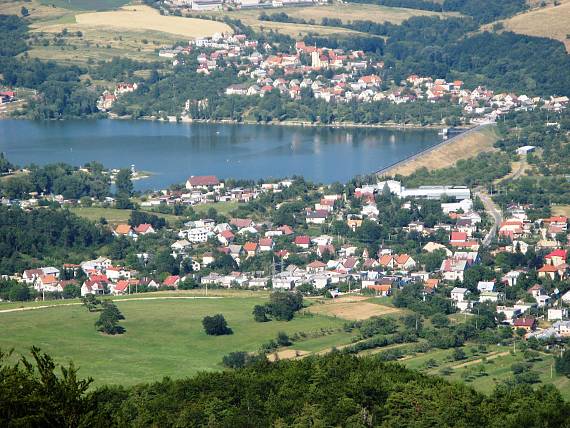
303 241
144 229
91 286
556 257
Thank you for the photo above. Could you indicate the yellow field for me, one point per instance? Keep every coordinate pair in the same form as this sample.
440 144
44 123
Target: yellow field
146 18
445 156
552 22
352 309
344 12
134 32
561 210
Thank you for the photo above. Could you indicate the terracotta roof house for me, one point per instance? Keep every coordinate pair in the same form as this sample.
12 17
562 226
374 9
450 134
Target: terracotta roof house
201 181
171 281
143 229
124 230
250 248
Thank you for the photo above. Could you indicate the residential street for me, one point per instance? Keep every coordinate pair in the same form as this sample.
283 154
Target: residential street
493 210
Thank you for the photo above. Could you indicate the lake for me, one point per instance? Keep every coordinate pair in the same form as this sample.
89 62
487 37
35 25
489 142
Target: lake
174 151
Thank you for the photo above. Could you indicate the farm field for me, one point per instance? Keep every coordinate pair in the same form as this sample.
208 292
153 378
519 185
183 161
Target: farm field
552 22
134 32
463 147
561 210
163 337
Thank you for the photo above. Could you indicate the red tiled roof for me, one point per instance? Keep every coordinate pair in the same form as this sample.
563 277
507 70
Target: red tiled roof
204 180
302 240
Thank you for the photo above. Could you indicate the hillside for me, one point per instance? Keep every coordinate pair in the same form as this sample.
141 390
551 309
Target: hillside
550 21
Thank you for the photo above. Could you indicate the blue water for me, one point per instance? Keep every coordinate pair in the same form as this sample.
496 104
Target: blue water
174 151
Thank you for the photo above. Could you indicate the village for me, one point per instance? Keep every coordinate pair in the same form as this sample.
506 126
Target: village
331 75
317 250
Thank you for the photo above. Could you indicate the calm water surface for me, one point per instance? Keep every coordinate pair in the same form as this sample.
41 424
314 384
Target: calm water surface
172 151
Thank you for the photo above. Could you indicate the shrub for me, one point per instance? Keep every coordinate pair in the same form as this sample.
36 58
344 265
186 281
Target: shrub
216 325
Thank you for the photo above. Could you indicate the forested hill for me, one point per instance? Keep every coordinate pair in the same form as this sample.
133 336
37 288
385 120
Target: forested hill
335 390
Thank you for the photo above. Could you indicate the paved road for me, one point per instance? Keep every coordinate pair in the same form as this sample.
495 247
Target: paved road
493 211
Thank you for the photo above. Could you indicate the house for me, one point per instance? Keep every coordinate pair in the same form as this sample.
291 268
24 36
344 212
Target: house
323 250
266 244
486 286
458 237
388 261
180 247
226 237
121 287
459 294
250 249
242 223
207 259
430 247
555 314
124 230
202 182
316 266
316 217
303 241
510 313
199 234
381 289
171 281
453 269
548 271
93 287
30 275
404 261
115 273
556 257
536 290
490 296
144 229
526 323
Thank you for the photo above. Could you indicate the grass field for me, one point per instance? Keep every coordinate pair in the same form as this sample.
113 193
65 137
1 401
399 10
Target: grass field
221 207
484 371
463 147
113 215
86 4
552 22
163 337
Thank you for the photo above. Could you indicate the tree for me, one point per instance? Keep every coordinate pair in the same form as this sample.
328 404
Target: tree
458 354
90 302
439 320
563 364
260 313
283 339
19 293
108 321
123 182
216 325
283 304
